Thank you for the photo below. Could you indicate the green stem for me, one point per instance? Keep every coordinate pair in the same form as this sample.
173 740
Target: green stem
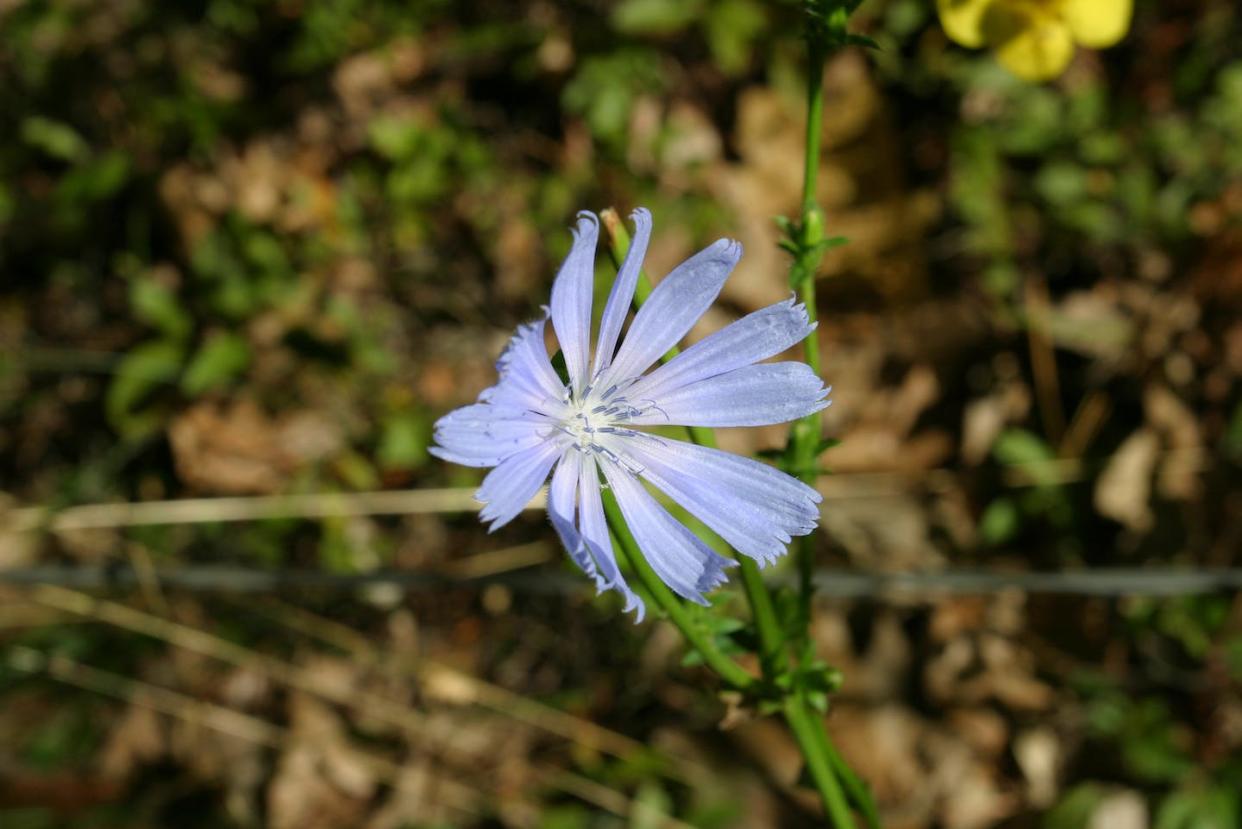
772 656
805 435
814 125
811 740
771 638
855 788
725 668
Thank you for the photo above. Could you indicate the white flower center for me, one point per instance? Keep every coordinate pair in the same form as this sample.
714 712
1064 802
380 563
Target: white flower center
594 421
588 419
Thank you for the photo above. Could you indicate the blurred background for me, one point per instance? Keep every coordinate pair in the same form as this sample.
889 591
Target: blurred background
250 251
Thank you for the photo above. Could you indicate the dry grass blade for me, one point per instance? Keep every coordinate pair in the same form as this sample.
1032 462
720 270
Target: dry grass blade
450 685
376 706
842 486
248 508
213 716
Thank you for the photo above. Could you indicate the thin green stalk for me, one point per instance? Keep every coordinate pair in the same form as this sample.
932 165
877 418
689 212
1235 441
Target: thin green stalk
808 732
771 638
805 436
811 738
855 788
824 763
725 668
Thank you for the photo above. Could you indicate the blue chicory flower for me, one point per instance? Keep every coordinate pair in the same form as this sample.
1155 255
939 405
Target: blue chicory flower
531 421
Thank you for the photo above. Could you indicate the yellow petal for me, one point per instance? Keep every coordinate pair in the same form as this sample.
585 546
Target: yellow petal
1029 42
962 20
1098 23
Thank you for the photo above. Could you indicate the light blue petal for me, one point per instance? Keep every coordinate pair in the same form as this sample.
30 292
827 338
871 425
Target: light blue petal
681 560
622 294
754 507
508 488
587 541
594 528
756 395
527 379
672 309
484 435
571 300
562 498
756 336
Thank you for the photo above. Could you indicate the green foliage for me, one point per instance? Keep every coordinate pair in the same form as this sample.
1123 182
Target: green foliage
1044 500
604 89
132 403
221 358
1152 749
1215 807
654 16
404 438
155 303
58 140
730 635
1075 808
732 28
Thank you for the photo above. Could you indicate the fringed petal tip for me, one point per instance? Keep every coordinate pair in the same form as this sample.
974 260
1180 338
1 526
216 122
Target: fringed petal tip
587 221
632 602
636 604
731 248
712 578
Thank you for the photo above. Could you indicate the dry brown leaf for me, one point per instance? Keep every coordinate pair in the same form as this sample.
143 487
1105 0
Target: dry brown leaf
1120 810
1039 755
135 740
321 782
1179 469
1123 490
238 449
882 746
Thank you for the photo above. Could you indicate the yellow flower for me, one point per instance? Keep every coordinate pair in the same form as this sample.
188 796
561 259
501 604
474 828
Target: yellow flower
1035 39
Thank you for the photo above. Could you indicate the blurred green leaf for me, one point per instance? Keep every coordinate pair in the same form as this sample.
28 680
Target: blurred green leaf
605 86
394 137
1019 447
1075 808
404 438
155 303
143 370
565 817
96 179
219 360
654 16
356 471
1061 183
1233 657
652 806
1201 808
732 29
1000 521
56 139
